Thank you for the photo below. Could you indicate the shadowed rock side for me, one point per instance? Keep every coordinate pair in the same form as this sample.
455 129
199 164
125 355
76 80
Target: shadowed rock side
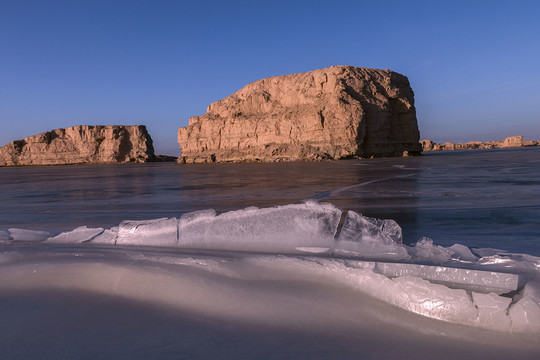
333 113
81 144
509 142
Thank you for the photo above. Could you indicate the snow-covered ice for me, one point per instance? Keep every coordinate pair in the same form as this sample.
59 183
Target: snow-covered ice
480 288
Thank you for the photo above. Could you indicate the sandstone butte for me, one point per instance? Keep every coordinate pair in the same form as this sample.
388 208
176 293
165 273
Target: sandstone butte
509 142
333 113
81 144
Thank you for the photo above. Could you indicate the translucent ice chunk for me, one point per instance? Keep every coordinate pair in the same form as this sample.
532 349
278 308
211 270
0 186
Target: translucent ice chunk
77 235
462 252
477 280
492 310
279 229
156 232
367 237
28 235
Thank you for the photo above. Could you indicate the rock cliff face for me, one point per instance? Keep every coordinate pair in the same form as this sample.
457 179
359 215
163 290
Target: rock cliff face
511 141
333 113
81 145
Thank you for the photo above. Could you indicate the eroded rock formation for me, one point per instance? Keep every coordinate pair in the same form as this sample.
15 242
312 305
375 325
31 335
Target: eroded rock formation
511 141
81 144
333 113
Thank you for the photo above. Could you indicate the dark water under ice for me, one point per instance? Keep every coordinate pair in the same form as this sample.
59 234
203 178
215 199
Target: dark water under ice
477 198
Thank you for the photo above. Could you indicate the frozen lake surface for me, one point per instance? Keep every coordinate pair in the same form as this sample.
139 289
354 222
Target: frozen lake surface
275 260
479 199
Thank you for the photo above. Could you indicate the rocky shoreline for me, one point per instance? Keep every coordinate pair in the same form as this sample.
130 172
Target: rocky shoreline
509 142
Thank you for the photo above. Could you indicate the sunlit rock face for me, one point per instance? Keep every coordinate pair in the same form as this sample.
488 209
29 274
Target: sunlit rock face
333 113
81 144
513 141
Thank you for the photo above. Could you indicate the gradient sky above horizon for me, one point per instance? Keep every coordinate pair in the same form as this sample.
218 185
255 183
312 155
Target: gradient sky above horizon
473 65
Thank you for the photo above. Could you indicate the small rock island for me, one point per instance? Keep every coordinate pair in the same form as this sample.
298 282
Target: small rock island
338 112
83 144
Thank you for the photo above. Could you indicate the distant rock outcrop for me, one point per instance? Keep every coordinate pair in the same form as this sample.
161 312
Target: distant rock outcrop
81 144
512 141
333 113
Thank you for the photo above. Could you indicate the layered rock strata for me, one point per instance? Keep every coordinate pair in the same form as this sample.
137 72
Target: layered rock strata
511 141
333 113
81 144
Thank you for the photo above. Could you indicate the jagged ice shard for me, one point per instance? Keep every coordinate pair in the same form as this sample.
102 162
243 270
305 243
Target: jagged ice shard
370 238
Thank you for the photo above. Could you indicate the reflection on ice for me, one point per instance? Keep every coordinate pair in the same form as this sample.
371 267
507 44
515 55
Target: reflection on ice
484 288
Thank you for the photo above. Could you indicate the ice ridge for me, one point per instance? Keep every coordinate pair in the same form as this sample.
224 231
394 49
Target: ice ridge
484 288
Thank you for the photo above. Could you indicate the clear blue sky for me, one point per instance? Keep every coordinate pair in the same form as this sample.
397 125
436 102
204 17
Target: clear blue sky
473 65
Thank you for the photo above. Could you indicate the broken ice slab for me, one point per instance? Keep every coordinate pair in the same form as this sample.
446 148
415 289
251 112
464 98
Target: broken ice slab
156 232
78 235
287 228
368 237
28 235
475 280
